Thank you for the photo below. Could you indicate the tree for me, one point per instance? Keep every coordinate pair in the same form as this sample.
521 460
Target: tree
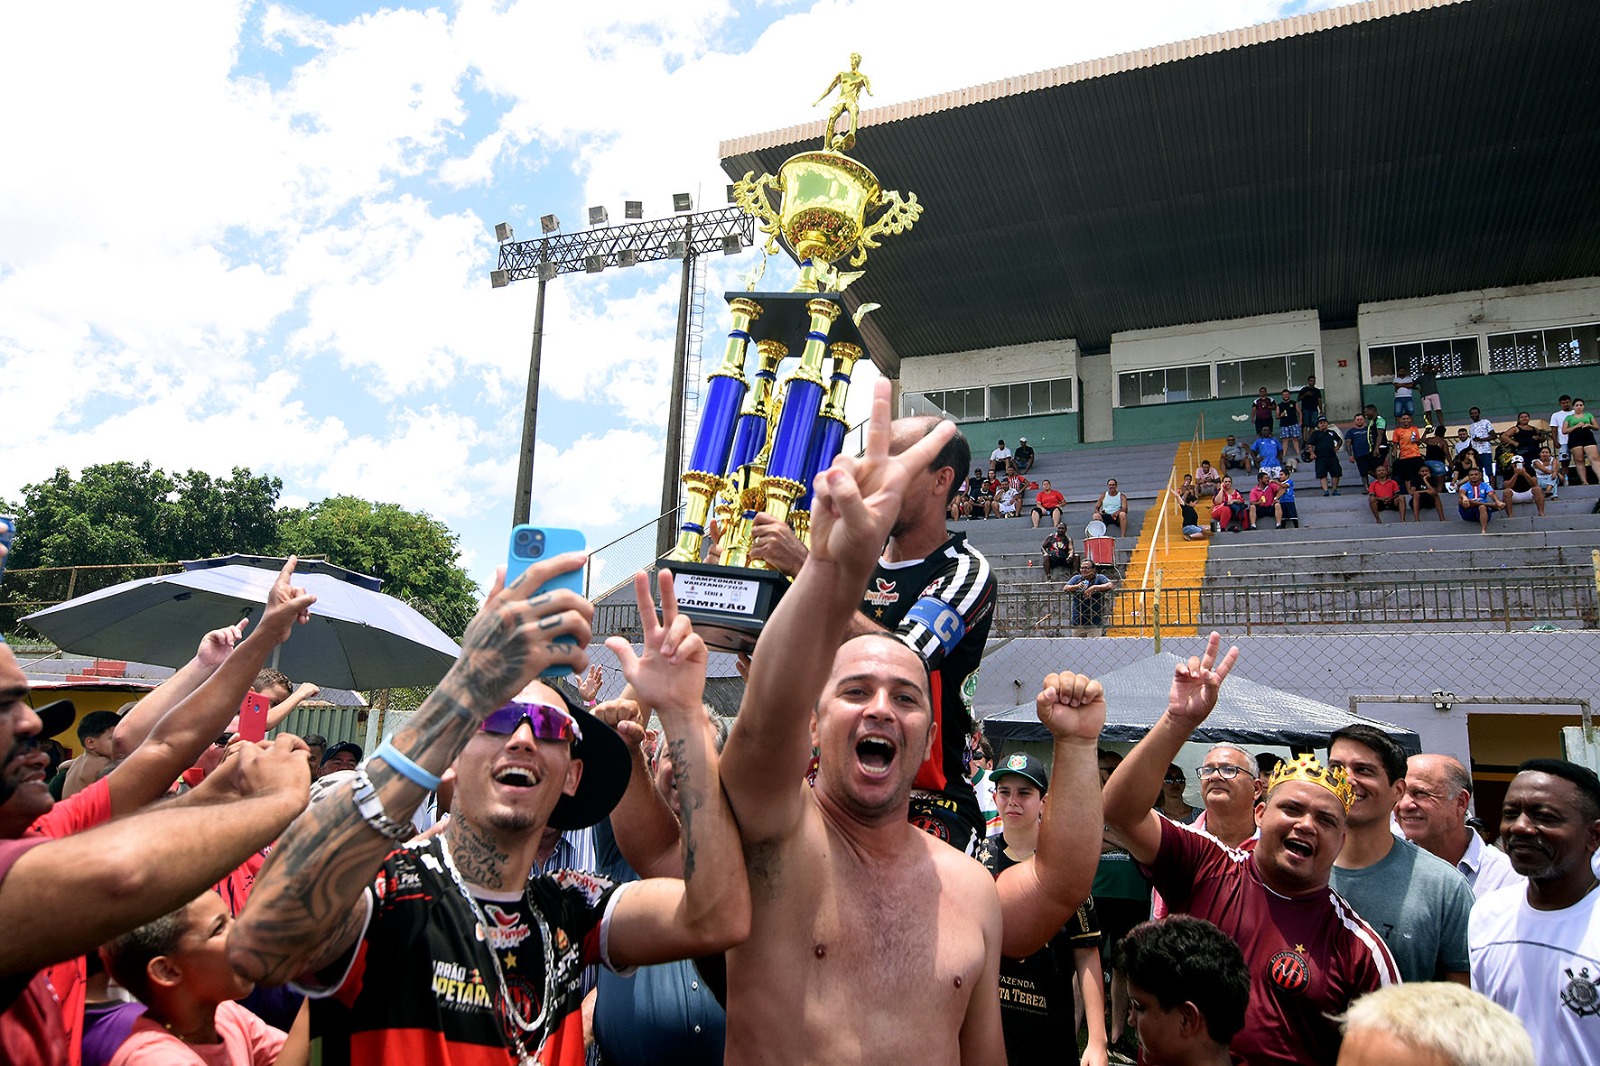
415 555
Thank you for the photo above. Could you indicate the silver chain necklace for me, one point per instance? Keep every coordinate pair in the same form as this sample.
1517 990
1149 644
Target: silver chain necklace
520 1024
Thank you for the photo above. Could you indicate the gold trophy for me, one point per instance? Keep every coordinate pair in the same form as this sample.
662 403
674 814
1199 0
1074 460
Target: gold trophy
757 450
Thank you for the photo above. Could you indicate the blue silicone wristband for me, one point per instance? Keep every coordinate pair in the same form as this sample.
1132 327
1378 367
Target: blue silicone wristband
403 765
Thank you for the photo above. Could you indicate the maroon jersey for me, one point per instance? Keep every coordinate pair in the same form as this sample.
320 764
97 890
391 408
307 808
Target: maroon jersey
1309 956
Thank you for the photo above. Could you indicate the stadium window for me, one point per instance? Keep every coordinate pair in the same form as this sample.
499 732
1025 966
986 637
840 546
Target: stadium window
960 405
1453 358
1542 349
1276 372
1139 388
1022 398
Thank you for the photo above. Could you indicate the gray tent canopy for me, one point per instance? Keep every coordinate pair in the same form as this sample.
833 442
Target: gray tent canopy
1247 712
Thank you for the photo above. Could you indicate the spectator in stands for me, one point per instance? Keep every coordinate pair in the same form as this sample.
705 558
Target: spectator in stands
1476 501
97 736
975 482
1188 988
1405 384
1188 491
1521 487
1547 473
1089 592
178 968
1481 433
1428 389
1583 444
1558 430
1207 478
316 748
1010 502
1112 507
1023 458
1427 491
1286 511
1416 901
1229 508
1436 457
1310 408
1466 460
1172 803
1269 453
960 504
998 460
1433 815
1263 501
1288 426
985 500
1406 441
1526 437
1358 442
1236 456
1325 444
1048 504
1534 948
1384 494
1191 527
1432 1023
1377 434
1058 551
1262 411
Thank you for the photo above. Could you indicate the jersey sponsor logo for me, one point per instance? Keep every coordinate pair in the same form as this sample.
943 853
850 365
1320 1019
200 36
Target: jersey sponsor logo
590 886
1581 996
932 825
1290 971
881 593
940 619
507 929
458 988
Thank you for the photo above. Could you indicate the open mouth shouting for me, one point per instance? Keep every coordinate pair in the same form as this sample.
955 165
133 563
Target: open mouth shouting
1299 848
875 754
517 778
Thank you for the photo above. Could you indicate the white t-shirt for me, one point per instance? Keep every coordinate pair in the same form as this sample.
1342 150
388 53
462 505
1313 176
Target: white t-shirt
1402 386
1481 433
1558 422
1000 455
1542 966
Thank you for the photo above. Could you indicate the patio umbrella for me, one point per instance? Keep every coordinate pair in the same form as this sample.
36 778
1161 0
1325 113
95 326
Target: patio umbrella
358 637
1247 712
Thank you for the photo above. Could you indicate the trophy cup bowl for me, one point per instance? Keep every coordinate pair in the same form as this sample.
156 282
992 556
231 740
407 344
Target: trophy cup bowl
826 197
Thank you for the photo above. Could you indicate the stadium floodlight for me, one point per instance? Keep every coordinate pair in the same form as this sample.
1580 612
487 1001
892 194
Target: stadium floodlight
593 264
633 209
502 231
677 249
628 257
682 201
499 279
732 245
548 271
598 216
549 223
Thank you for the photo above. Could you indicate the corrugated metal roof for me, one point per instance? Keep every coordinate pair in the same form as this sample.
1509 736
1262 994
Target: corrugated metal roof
1385 150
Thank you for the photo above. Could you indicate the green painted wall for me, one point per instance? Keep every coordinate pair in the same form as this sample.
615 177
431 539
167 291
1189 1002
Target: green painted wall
1175 421
1046 433
1500 396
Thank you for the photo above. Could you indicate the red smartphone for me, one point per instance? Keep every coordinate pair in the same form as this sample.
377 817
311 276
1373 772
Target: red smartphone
253 717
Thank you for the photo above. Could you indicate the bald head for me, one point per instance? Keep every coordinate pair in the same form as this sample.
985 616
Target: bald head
1432 812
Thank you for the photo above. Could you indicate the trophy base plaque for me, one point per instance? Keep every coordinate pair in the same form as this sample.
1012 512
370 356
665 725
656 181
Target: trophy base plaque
729 605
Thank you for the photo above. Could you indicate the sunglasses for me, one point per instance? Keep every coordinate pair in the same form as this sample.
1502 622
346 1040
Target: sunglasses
546 722
1174 780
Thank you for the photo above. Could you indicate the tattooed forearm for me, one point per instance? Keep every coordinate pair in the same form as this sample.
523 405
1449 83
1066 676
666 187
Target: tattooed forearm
689 798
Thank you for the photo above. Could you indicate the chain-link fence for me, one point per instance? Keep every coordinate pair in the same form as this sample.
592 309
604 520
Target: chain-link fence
614 563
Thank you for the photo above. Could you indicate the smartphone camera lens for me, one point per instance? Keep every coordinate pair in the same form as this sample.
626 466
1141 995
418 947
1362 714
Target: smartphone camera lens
538 543
524 538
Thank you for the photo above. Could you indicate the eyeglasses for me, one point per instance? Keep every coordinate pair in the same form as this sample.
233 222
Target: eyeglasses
1224 771
547 722
1179 780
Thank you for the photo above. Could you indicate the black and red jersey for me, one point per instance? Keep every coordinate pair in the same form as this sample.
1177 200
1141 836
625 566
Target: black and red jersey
421 988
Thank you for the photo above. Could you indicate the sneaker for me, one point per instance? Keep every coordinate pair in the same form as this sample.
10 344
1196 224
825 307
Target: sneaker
1325 492
1336 492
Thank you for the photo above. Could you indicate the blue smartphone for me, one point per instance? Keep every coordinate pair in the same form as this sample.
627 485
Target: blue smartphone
8 531
529 544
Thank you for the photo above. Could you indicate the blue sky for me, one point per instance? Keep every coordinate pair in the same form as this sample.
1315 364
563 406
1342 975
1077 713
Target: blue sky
260 234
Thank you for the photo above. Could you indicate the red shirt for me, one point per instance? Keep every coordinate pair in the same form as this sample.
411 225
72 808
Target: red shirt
1309 956
1385 490
1049 499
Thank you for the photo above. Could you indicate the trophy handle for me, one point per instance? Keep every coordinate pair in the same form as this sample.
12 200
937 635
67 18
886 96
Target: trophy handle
751 194
898 218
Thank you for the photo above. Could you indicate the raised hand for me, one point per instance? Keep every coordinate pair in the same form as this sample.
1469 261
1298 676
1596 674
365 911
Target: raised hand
287 605
1195 683
217 645
589 685
671 674
858 499
512 638
623 715
1072 707
257 769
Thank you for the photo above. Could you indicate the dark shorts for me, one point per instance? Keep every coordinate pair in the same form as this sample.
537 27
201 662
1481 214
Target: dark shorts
943 819
1470 514
1366 464
1266 425
1329 468
1406 471
1391 504
1289 510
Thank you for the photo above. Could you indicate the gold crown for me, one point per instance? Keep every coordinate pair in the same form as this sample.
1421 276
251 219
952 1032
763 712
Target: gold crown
1307 768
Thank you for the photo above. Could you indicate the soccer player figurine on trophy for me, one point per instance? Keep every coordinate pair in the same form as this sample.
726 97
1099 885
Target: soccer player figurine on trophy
827 206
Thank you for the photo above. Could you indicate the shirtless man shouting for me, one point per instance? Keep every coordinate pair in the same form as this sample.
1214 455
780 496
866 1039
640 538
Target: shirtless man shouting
857 914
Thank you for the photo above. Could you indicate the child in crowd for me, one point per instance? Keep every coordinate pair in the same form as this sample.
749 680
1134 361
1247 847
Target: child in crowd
1187 989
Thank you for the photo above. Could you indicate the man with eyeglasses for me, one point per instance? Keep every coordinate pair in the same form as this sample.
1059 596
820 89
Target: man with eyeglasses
1229 789
452 949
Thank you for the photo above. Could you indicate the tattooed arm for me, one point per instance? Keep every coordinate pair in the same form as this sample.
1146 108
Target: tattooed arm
662 919
307 908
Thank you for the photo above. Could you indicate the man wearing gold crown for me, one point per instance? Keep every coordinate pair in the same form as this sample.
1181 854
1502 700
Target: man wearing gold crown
1310 955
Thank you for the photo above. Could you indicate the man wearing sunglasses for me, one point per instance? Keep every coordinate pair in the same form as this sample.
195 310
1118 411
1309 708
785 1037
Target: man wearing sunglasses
450 949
